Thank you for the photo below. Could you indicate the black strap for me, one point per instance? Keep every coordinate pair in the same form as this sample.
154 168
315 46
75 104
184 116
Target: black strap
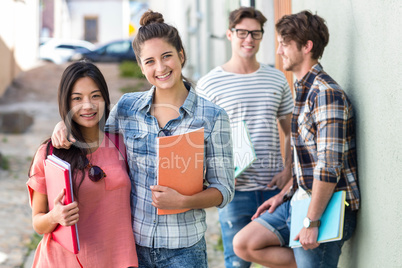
50 147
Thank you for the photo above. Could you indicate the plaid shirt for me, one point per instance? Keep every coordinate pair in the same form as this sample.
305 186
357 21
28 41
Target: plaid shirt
132 118
323 134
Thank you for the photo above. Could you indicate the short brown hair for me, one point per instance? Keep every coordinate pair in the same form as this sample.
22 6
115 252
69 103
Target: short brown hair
302 27
237 15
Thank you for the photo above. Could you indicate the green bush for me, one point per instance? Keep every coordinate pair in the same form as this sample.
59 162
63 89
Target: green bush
34 241
4 162
138 87
130 69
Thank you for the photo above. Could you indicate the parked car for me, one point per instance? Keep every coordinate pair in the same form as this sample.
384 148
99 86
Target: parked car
115 51
60 51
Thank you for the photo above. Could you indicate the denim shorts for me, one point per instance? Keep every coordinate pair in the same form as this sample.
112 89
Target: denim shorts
234 216
324 256
278 222
191 257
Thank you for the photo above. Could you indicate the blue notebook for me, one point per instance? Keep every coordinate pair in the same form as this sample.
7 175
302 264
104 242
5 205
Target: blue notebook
331 228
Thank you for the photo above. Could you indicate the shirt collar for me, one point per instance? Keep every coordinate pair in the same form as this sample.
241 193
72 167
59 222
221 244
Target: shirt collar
189 104
147 101
309 77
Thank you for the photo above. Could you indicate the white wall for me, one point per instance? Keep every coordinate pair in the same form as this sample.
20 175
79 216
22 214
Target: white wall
62 20
267 46
364 56
22 28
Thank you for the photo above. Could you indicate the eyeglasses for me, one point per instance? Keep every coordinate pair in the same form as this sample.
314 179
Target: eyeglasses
95 173
242 34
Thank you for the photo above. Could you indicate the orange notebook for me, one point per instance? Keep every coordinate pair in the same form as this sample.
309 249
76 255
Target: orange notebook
181 164
58 177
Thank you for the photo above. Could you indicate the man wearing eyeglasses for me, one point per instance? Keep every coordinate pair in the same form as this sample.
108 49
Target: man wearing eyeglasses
258 94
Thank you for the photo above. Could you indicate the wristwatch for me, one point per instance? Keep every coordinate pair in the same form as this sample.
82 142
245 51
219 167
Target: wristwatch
309 223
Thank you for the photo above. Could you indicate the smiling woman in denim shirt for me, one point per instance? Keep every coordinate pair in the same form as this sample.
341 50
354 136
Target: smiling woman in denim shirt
171 106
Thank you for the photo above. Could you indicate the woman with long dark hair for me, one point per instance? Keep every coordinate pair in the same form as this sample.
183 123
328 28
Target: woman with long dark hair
101 184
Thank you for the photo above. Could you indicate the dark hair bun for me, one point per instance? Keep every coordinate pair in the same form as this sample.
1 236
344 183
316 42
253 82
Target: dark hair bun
151 17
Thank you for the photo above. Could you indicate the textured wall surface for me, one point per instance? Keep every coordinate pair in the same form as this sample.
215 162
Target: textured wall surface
364 56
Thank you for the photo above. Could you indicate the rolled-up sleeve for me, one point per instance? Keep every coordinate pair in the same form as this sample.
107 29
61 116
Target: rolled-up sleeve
37 180
331 118
219 158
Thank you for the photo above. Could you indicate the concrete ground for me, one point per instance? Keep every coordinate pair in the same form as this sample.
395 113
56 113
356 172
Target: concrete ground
35 92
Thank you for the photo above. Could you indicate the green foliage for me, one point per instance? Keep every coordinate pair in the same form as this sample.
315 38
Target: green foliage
219 244
137 87
33 243
4 162
130 69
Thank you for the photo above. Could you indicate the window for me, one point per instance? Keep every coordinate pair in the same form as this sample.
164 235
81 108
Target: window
91 29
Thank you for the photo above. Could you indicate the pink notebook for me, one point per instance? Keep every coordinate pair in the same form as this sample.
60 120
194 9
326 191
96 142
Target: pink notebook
58 177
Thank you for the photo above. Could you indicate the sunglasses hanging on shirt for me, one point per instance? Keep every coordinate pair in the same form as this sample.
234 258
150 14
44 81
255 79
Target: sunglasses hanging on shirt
95 173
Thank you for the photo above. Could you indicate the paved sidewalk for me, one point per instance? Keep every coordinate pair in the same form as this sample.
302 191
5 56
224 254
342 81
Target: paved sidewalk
35 95
15 216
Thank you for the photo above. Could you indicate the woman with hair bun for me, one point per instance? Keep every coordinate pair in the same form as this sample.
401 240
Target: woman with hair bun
170 107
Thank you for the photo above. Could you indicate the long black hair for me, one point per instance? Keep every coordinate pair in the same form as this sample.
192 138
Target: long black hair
76 155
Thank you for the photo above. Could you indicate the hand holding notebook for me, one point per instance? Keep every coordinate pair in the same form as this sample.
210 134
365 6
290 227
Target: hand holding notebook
332 220
64 214
180 164
58 178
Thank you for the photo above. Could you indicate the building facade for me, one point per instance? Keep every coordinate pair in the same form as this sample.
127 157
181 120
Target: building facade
96 21
19 38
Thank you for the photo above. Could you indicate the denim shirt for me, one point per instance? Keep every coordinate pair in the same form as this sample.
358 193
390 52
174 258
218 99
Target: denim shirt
131 116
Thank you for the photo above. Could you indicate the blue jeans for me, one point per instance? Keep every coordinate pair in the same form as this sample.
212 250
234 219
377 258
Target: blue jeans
234 216
191 257
327 254
324 256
